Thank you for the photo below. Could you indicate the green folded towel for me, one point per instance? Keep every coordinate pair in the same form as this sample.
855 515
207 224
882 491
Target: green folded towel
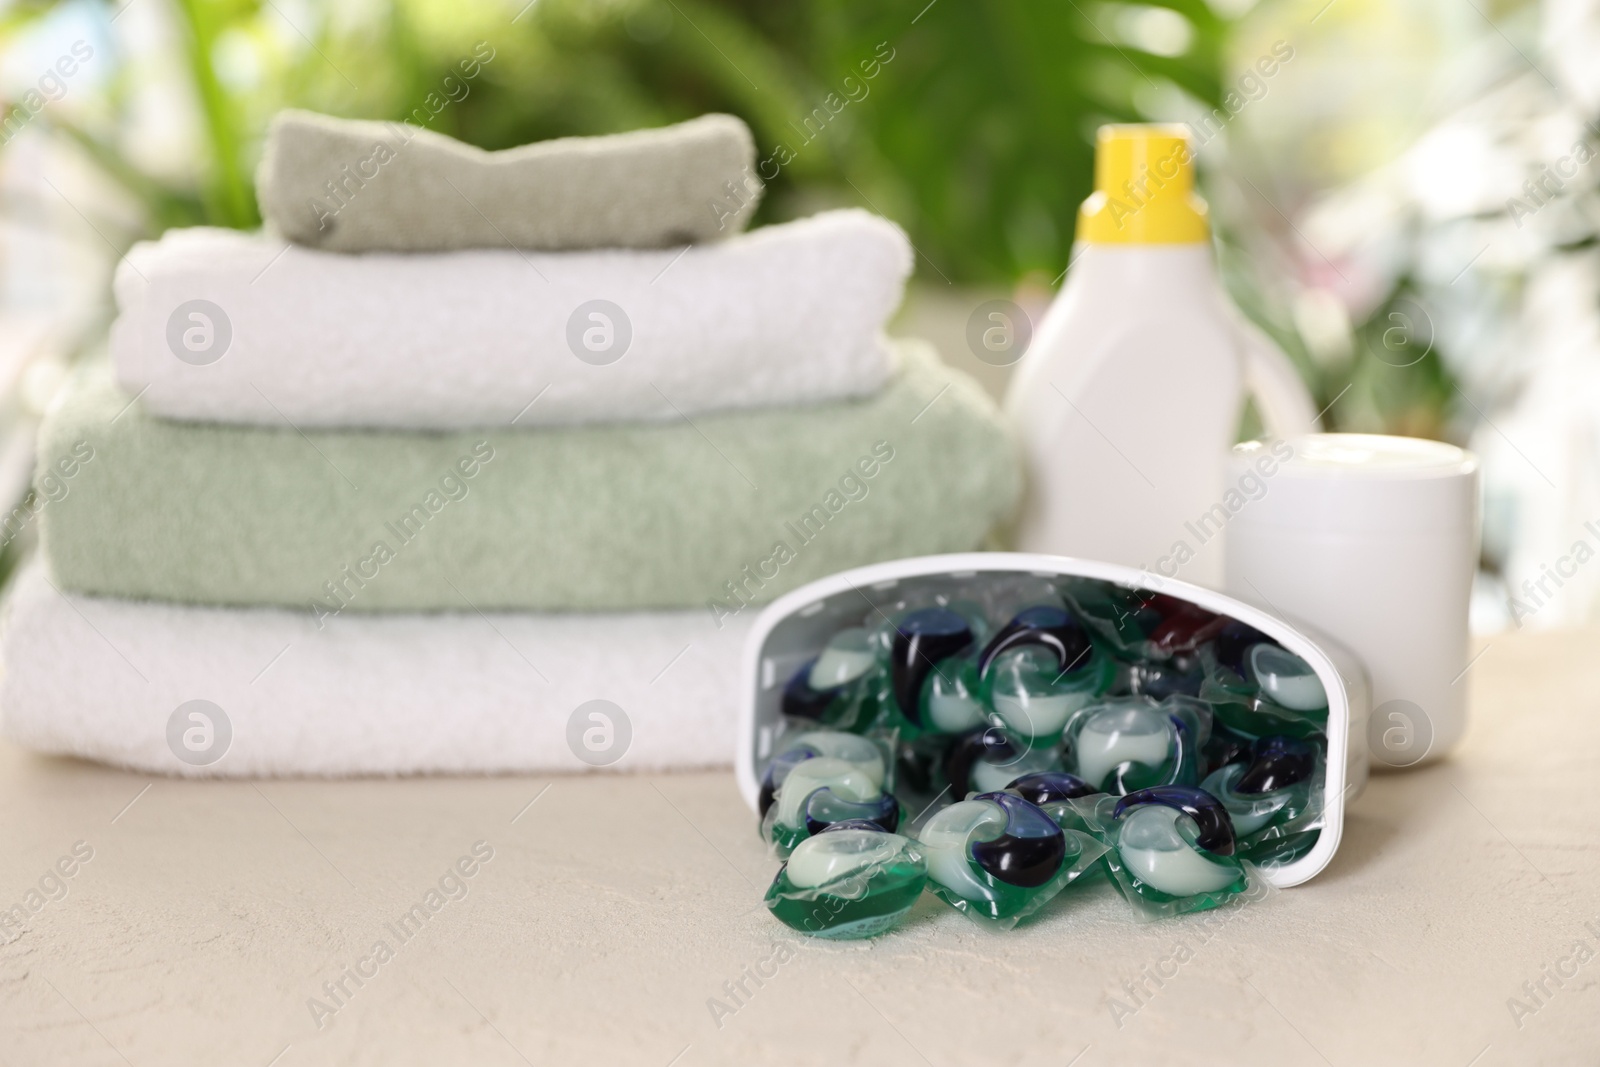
725 510
344 185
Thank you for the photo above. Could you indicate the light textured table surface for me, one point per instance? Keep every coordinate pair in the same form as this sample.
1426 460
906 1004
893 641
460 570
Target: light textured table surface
615 908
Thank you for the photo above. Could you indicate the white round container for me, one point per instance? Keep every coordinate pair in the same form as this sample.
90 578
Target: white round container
1374 541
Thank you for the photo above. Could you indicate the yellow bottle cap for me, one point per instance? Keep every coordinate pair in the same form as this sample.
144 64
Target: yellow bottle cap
1143 188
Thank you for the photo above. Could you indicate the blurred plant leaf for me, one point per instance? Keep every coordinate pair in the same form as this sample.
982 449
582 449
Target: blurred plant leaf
975 130
228 194
166 206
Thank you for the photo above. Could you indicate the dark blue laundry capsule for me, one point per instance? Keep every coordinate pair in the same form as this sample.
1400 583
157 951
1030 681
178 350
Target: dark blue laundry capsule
1048 787
1044 626
988 743
825 808
778 770
1180 675
1232 642
1216 826
1030 851
1278 763
1225 748
921 640
803 702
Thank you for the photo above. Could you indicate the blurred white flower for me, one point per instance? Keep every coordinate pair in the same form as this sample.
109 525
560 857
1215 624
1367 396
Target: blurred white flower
1492 218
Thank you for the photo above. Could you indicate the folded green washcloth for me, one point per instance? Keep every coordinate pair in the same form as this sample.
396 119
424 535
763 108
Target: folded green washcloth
725 510
346 185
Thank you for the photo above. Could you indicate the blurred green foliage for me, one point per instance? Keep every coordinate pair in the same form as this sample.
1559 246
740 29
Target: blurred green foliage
970 123
974 131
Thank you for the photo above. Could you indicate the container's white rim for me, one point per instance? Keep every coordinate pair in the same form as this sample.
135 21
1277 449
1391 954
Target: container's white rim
1444 461
1287 634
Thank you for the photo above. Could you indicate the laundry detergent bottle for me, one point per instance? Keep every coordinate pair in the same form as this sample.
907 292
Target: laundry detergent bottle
1128 401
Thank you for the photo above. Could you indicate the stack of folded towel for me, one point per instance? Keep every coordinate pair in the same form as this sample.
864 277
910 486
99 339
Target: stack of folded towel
467 440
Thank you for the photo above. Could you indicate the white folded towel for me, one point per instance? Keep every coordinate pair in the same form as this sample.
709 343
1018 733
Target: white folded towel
374 695
222 326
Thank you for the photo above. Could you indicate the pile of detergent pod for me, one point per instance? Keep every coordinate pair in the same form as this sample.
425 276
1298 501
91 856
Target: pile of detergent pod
999 739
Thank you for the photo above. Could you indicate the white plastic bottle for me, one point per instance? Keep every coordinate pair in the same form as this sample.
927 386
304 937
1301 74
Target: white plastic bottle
1128 400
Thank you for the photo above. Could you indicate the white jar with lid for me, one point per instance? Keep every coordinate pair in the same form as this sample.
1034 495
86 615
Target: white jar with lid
1374 541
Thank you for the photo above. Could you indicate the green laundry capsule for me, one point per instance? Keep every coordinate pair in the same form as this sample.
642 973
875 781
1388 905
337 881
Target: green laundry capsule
1034 699
998 858
1130 743
823 790
849 881
842 687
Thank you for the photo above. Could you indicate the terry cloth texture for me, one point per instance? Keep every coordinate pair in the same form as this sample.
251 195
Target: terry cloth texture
359 186
618 516
222 326
374 694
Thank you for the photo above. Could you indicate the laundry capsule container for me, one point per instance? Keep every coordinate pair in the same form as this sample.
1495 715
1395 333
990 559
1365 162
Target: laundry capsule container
969 671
